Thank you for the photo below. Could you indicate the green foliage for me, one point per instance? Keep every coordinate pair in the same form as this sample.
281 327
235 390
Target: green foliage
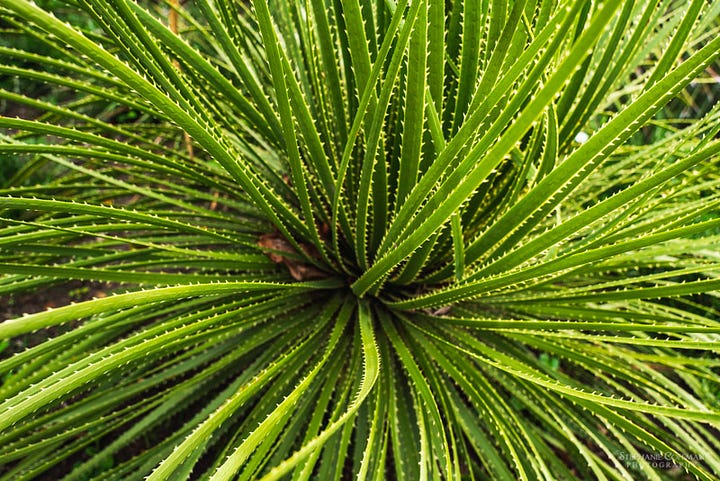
362 240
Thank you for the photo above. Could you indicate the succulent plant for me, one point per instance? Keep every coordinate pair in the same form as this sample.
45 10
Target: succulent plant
363 240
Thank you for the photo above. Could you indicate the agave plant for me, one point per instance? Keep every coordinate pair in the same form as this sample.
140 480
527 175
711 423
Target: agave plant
362 240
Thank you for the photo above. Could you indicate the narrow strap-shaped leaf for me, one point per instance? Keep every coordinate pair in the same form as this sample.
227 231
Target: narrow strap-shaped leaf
358 44
598 86
424 393
124 276
503 431
459 249
662 343
590 154
673 290
472 17
240 65
368 168
303 472
370 375
512 366
80 86
367 94
119 20
230 467
374 447
278 73
561 263
106 212
222 412
97 229
189 121
479 441
417 261
330 68
413 118
97 140
521 324
455 191
449 157
209 72
14 327
597 211
76 374
648 438
436 53
511 39
68 113
672 51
